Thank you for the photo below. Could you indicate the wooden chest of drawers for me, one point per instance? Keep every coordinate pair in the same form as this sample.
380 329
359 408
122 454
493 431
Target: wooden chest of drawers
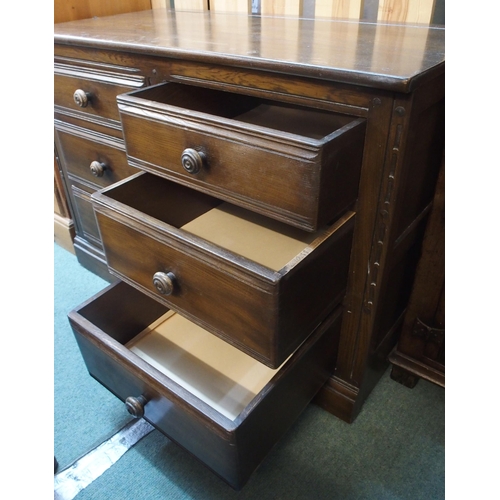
261 204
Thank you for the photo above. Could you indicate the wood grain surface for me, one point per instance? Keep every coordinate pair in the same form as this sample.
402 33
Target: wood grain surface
381 56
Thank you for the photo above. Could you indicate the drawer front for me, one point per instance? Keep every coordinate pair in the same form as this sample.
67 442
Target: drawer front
295 164
85 220
98 159
232 448
91 91
266 313
247 318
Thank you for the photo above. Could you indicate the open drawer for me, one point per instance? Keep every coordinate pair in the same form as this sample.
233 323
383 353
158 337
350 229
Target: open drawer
257 283
224 407
292 163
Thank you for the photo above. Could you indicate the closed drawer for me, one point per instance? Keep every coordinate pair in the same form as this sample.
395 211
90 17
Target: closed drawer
225 408
295 164
85 220
257 283
98 159
92 89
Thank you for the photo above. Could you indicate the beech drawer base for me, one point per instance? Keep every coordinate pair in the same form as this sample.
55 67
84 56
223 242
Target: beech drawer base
254 282
230 442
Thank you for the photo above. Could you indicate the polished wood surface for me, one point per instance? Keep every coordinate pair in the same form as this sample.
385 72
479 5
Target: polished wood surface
231 448
381 56
86 220
375 304
292 163
100 87
70 10
390 76
60 203
79 149
267 313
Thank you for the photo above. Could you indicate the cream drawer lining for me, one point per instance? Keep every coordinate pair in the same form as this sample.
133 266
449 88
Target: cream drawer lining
268 242
209 368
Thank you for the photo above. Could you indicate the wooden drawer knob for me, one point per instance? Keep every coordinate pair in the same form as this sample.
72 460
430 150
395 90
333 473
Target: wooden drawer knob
81 98
135 406
97 169
192 160
164 282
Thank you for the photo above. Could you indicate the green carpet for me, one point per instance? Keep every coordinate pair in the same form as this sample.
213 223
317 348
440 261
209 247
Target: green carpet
394 450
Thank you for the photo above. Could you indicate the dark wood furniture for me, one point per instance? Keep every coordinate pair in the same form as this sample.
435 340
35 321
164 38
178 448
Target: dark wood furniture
420 351
64 230
66 10
232 443
329 134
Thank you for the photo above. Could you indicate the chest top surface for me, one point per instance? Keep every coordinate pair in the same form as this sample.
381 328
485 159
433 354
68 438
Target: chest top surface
383 56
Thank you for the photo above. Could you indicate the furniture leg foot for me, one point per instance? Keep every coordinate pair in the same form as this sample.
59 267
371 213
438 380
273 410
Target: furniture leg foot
404 377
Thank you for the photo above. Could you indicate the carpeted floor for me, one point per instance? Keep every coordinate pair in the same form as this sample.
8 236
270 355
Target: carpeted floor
394 449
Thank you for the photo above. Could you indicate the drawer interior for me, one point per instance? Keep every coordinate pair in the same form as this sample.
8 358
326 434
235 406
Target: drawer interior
276 115
265 241
226 409
212 370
